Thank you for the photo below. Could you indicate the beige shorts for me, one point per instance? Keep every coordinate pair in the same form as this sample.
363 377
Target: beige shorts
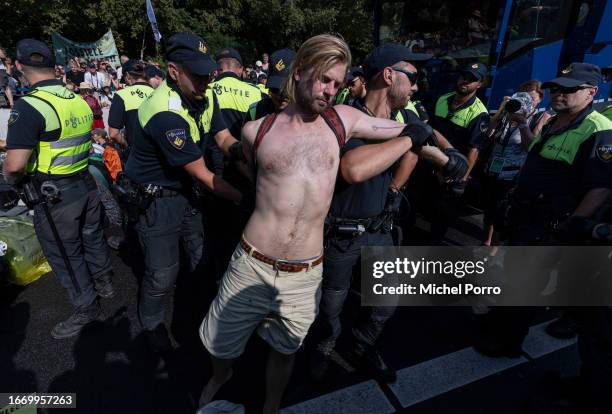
281 305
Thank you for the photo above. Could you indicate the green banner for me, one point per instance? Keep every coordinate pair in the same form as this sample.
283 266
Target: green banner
15 409
103 48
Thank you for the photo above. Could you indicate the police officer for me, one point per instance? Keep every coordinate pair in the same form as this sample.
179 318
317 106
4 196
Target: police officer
123 121
568 172
416 108
165 156
355 87
234 98
462 118
154 76
261 83
48 137
361 210
124 106
280 62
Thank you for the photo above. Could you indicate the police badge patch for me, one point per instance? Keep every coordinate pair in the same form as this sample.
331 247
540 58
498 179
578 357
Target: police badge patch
484 125
177 138
604 152
13 117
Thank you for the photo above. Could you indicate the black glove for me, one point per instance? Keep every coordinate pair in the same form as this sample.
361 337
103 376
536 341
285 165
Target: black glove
235 151
458 188
394 200
456 167
575 229
418 133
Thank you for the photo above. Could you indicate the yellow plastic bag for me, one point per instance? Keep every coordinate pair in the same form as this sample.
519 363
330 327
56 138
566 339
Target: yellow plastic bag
24 257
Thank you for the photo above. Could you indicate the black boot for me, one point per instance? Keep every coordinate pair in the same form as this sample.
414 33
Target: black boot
103 285
566 327
368 358
498 347
76 322
159 340
319 360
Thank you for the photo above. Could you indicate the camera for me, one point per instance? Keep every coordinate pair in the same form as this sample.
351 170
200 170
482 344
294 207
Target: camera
519 103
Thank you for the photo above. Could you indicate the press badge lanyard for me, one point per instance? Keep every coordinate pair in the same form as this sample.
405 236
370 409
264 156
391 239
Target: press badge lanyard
497 163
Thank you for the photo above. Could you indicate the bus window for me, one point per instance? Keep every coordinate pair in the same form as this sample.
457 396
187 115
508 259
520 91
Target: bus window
530 24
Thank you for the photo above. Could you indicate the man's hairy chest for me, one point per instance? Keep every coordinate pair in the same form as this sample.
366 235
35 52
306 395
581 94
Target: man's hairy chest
303 153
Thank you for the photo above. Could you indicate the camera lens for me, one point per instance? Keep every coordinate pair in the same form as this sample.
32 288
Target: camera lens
513 105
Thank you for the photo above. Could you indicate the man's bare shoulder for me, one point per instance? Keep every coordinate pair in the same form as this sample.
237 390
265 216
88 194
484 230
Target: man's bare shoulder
349 115
249 130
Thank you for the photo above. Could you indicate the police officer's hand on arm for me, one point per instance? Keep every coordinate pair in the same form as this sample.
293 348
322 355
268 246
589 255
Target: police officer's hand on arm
359 124
364 165
172 135
367 161
216 184
226 142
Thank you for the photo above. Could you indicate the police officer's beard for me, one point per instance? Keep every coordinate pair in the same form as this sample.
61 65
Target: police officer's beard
397 99
462 90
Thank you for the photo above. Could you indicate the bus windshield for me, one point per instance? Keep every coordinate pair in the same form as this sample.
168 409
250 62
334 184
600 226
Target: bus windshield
530 24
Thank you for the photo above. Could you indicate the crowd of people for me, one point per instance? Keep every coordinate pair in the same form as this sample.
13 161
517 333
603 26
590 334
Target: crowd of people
474 30
290 167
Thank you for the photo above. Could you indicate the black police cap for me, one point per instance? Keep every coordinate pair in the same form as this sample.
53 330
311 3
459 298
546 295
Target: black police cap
280 62
129 65
476 69
354 72
190 50
26 48
577 74
388 55
152 71
228 53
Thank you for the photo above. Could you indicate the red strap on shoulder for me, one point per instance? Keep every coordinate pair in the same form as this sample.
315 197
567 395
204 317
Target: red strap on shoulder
264 127
331 117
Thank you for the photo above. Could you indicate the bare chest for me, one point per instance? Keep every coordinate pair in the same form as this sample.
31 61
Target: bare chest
305 152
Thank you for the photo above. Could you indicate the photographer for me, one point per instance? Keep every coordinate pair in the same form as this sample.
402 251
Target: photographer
512 130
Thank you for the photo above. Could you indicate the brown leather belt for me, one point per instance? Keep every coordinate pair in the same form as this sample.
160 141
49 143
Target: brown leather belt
279 264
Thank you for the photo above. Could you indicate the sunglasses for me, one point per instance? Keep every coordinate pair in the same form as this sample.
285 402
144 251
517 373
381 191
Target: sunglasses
412 76
567 91
468 77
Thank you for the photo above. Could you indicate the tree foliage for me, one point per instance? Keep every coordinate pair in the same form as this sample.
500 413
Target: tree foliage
253 26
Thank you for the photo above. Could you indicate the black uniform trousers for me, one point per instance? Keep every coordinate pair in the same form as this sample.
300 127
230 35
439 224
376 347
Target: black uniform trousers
342 259
79 219
595 323
595 348
168 224
435 201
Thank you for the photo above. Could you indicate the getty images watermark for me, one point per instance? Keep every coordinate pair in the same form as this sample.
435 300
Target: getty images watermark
506 276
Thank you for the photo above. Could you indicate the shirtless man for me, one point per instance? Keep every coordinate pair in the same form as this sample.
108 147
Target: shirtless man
273 280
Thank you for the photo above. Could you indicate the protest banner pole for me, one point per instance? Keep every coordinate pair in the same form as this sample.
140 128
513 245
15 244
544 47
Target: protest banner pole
144 33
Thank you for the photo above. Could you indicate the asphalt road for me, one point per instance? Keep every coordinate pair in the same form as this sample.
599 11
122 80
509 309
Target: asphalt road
110 369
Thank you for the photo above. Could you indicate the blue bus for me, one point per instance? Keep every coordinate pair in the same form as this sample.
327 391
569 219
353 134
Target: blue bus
518 39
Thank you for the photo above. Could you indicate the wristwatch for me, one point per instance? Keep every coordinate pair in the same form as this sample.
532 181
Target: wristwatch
602 231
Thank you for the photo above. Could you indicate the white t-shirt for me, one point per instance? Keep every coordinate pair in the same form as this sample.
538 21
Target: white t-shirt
95 80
